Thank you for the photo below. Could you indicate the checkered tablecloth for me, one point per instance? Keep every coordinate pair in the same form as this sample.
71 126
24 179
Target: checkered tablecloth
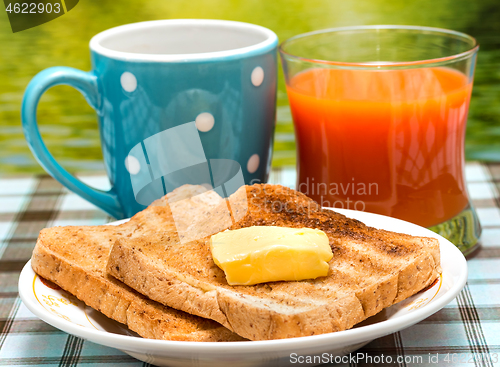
465 333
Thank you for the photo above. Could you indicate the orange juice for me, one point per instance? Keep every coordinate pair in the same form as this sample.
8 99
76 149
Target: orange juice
384 141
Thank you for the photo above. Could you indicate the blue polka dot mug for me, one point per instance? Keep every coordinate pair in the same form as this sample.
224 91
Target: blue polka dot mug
174 87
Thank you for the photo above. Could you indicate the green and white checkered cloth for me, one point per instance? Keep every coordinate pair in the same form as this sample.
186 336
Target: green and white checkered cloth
466 332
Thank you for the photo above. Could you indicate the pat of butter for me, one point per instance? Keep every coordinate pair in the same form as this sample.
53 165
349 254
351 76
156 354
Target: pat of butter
266 254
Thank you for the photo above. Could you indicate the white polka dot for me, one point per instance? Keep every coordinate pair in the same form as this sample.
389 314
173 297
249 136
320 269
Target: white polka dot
204 122
257 76
253 163
128 81
132 165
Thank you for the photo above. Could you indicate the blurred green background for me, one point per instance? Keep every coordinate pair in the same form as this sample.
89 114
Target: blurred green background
69 125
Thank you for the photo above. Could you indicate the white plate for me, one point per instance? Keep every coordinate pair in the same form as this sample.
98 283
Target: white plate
65 312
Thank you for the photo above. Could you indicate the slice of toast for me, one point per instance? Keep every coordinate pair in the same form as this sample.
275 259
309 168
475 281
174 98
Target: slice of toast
75 259
371 269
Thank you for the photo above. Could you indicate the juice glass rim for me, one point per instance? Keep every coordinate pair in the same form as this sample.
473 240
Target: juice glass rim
384 64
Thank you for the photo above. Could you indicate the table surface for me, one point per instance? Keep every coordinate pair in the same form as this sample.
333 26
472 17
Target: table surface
466 332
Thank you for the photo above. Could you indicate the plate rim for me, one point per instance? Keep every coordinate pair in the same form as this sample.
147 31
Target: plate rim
337 339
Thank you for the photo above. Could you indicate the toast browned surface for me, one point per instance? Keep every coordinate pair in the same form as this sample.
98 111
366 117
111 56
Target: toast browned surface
75 259
371 269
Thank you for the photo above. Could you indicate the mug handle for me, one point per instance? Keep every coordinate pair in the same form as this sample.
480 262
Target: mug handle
86 83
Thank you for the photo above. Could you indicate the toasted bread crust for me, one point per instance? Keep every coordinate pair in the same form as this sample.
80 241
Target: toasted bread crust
371 269
75 258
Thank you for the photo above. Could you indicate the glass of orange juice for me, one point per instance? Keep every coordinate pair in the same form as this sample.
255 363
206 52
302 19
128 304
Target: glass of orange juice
380 115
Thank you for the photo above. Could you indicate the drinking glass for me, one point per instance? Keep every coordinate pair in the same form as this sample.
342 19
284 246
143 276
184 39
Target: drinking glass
380 115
